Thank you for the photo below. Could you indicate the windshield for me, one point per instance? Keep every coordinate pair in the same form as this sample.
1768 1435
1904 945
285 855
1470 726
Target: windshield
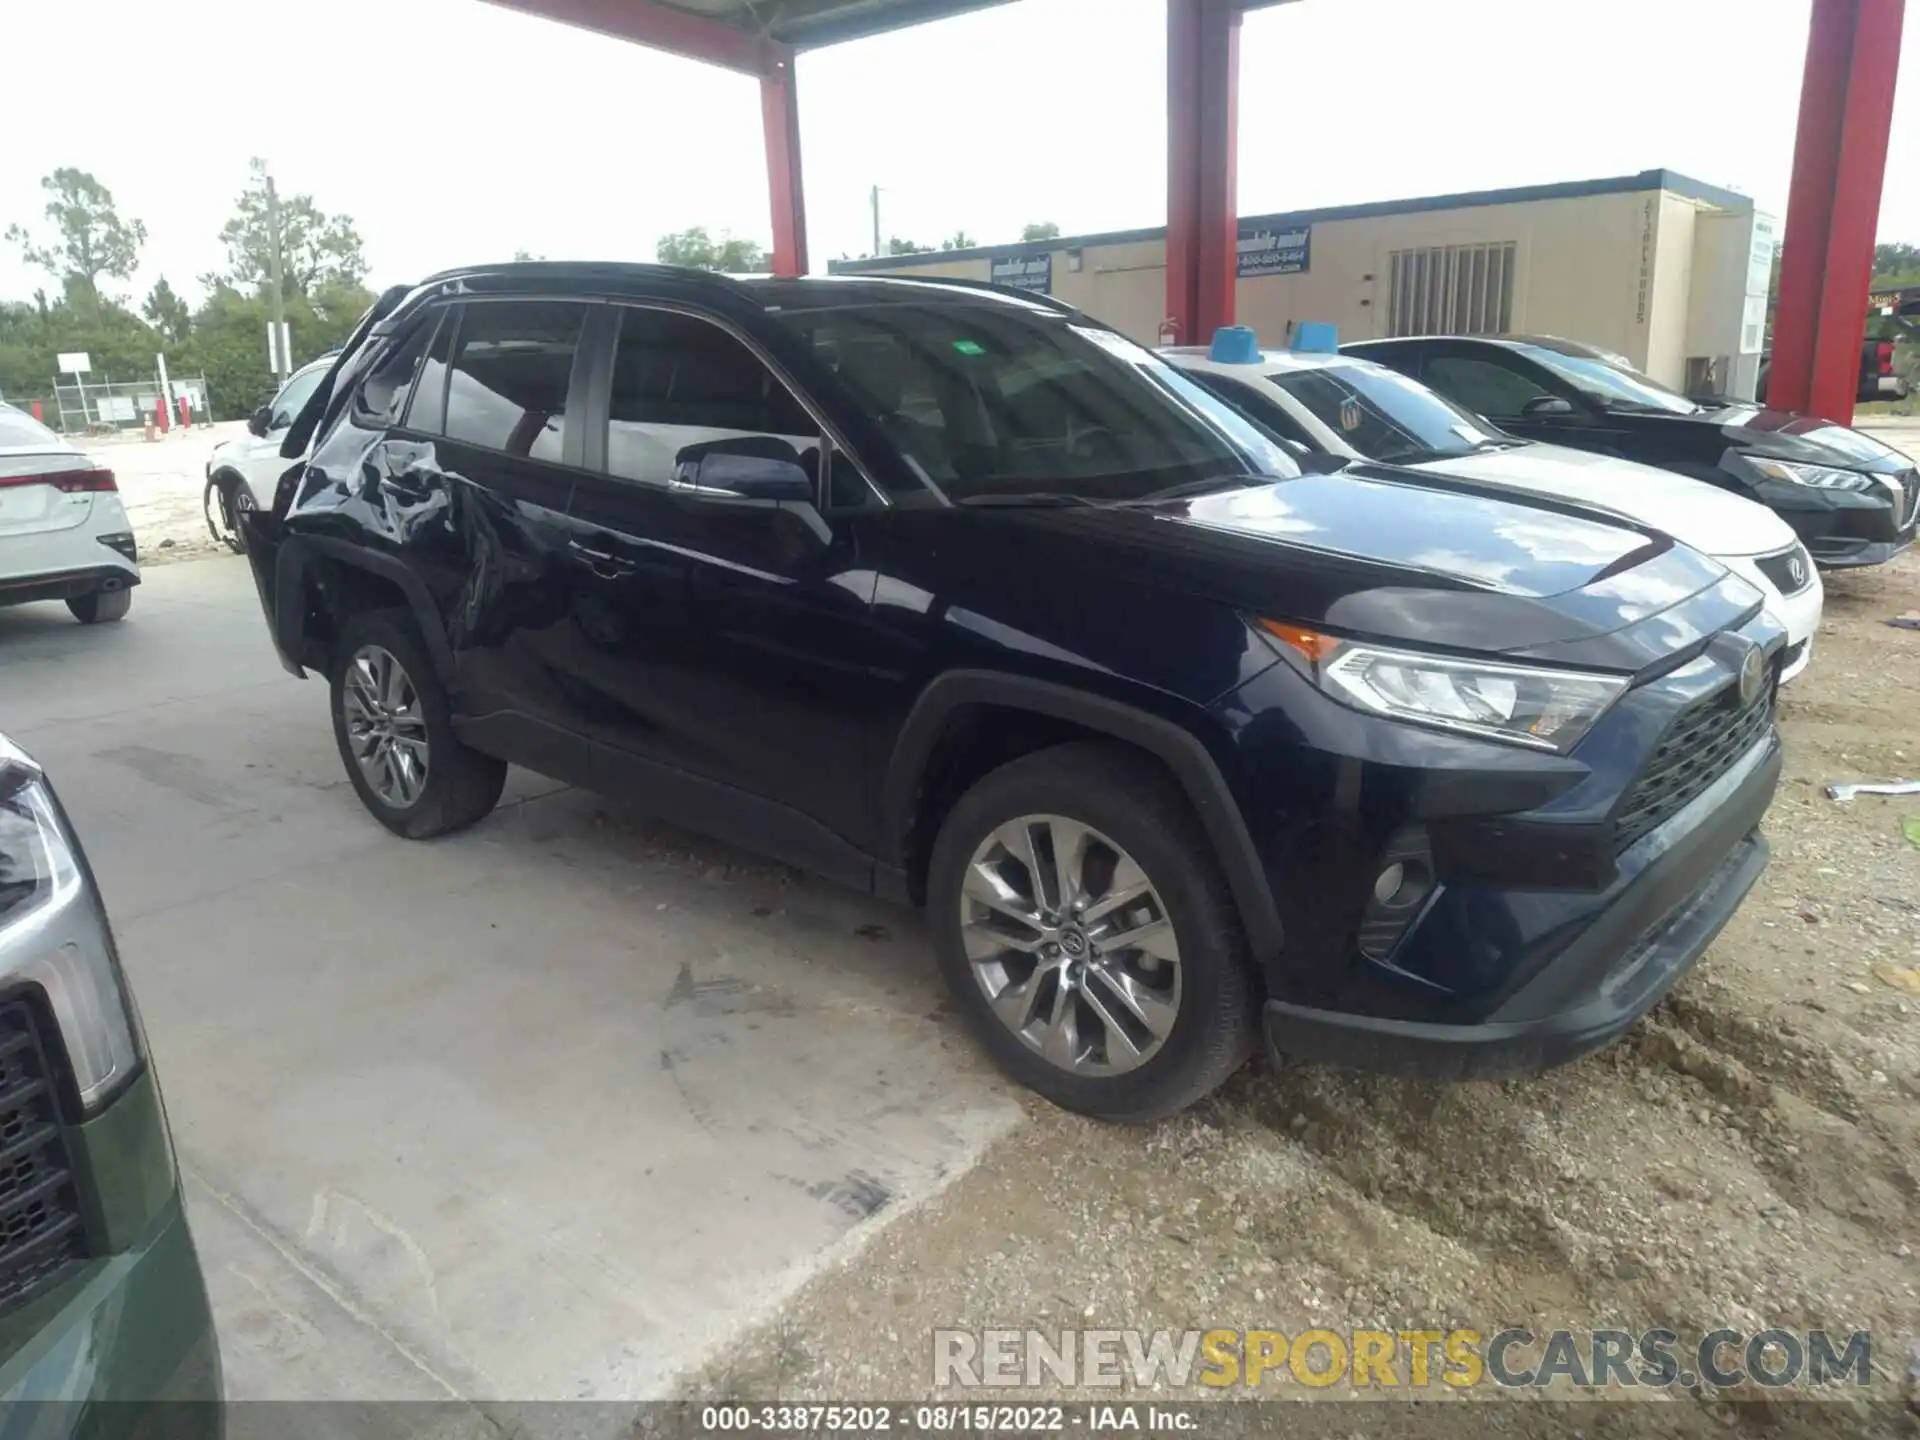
298 391
1384 415
1003 400
1612 385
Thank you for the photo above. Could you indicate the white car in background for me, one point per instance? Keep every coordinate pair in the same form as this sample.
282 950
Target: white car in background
1341 405
64 534
242 473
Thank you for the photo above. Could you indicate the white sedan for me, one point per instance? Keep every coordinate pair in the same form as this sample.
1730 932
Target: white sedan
64 534
1343 406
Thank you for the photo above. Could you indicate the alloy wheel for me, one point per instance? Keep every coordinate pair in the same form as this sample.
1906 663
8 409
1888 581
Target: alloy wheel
386 728
1071 944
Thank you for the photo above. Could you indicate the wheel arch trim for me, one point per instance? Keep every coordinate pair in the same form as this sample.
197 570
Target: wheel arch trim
1183 753
296 560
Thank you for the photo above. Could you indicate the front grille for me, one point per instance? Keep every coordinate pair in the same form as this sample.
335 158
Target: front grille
41 1232
1791 571
1699 747
1910 484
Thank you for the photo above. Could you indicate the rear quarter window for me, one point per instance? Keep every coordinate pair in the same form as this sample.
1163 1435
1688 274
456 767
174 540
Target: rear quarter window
383 395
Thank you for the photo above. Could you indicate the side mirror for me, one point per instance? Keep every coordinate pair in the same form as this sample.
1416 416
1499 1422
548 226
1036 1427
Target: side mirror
1547 405
261 421
1321 462
749 468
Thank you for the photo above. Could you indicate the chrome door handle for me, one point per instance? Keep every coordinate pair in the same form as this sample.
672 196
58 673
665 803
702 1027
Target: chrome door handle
604 563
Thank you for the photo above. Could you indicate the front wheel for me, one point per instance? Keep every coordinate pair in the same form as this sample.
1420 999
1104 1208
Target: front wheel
1089 936
395 733
226 500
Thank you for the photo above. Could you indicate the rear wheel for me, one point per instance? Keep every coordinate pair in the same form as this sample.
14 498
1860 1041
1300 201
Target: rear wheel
395 733
1086 931
101 605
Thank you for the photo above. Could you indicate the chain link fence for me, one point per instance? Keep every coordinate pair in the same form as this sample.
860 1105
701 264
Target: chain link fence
97 407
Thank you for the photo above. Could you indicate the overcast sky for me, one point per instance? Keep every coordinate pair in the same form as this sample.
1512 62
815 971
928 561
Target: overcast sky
486 132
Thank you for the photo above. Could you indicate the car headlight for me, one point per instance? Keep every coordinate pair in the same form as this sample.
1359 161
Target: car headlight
1520 704
54 936
1820 477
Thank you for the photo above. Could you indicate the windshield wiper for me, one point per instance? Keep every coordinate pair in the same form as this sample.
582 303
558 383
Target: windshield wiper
1637 407
1237 480
1029 500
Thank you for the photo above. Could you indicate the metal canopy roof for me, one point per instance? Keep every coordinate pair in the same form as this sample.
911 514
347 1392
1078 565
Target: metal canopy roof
805 23
751 35
743 34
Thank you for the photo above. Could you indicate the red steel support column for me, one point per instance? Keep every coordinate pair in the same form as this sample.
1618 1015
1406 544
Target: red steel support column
1839 164
780 107
1203 224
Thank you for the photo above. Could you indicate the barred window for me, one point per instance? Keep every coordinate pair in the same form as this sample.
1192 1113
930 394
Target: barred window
1452 290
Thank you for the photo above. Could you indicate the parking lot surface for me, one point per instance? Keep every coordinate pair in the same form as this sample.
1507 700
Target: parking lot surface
545 1110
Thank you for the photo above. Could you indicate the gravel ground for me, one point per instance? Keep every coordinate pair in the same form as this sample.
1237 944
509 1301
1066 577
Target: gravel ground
161 483
1748 1156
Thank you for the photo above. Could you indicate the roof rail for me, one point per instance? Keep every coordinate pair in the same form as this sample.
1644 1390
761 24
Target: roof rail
960 282
631 269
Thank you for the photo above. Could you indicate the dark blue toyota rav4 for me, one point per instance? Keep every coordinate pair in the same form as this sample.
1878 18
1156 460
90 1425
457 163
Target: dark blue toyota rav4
954 594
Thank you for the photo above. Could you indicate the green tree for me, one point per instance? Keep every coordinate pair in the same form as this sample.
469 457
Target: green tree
521 257
695 247
1896 264
959 240
168 313
89 238
897 246
230 334
315 248
1040 230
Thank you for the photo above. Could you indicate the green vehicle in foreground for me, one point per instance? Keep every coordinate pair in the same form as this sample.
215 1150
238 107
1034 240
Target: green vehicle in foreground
105 1328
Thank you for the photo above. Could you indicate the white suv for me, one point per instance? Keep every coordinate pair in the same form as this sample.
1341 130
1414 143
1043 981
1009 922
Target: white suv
64 534
1354 409
242 473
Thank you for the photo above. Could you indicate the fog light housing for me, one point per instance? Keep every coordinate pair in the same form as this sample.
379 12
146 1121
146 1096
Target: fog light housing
1401 889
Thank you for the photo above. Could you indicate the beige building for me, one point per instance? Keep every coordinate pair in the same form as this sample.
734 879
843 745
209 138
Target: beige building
1667 271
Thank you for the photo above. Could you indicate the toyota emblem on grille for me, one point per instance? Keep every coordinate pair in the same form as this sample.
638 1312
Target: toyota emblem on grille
1797 571
1753 674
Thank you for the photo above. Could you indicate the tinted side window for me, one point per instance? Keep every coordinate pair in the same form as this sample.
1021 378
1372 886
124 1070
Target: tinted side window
383 395
511 370
679 380
1480 385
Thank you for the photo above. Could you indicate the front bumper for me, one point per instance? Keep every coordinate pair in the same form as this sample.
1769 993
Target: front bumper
128 1343
1851 554
1641 937
1843 529
1798 613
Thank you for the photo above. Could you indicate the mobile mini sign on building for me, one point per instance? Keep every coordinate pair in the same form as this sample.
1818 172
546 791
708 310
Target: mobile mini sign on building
1025 272
1270 251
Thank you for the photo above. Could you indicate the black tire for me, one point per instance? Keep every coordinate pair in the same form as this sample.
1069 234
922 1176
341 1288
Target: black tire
226 499
100 606
1129 798
462 785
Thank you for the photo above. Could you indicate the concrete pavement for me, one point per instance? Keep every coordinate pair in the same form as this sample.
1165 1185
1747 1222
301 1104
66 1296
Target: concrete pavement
546 1110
